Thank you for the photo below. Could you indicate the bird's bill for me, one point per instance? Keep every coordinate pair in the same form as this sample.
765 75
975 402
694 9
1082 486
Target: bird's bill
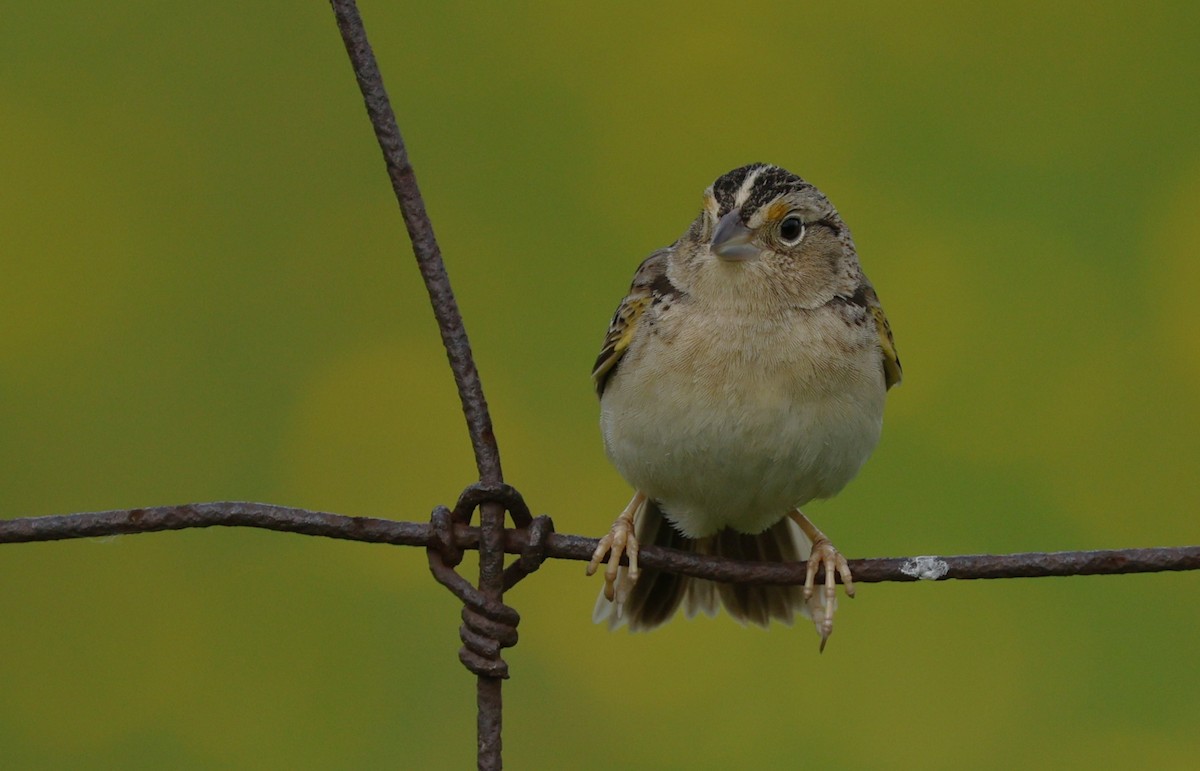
732 240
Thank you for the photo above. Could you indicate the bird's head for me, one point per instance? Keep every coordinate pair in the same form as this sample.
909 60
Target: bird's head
765 230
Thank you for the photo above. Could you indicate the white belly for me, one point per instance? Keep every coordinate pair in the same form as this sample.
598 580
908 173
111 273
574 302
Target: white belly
737 435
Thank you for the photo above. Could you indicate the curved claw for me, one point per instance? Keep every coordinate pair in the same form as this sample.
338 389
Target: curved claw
824 555
619 542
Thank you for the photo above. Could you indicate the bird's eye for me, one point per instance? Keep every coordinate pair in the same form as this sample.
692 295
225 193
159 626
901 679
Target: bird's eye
791 230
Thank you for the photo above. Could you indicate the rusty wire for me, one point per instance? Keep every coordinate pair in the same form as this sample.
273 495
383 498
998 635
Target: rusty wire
488 624
483 607
579 548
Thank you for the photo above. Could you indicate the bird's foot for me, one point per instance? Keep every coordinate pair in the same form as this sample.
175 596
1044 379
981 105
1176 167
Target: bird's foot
823 555
620 541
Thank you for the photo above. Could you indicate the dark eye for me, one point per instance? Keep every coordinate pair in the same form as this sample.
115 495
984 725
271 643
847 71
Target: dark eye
791 230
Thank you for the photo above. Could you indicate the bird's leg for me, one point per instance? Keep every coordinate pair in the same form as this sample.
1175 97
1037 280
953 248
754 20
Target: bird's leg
823 555
620 541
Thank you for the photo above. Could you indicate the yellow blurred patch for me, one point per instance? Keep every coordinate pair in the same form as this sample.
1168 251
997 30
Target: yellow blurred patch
70 241
379 432
1176 251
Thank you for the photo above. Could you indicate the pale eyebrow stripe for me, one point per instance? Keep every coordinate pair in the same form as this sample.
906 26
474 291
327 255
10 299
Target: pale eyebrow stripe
743 192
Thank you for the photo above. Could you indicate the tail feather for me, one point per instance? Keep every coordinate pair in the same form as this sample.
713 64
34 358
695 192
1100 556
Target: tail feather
657 594
760 604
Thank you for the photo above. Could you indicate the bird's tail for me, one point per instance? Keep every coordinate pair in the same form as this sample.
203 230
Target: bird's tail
658 594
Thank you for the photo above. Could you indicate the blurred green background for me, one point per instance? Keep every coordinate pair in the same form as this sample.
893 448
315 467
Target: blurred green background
207 294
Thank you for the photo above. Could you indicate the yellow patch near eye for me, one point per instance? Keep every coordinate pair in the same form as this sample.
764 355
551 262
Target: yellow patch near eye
777 211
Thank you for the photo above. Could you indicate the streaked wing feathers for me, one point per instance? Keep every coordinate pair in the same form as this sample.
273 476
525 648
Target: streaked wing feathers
650 287
892 372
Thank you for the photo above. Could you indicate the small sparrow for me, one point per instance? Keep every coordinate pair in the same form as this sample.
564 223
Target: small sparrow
743 376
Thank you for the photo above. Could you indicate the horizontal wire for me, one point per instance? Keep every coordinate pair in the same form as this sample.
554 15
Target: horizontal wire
574 547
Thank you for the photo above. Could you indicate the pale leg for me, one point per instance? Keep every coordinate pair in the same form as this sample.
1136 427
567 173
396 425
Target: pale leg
824 555
620 541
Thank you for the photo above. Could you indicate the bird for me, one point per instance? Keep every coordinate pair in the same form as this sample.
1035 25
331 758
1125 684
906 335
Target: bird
743 376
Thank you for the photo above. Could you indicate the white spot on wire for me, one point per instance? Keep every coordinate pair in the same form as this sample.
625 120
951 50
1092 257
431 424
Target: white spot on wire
925 568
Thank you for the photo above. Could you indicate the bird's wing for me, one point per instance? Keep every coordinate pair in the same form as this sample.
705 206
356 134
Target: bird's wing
864 301
650 288
892 372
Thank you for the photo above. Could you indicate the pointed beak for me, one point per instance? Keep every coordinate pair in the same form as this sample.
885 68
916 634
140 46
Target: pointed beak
731 241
